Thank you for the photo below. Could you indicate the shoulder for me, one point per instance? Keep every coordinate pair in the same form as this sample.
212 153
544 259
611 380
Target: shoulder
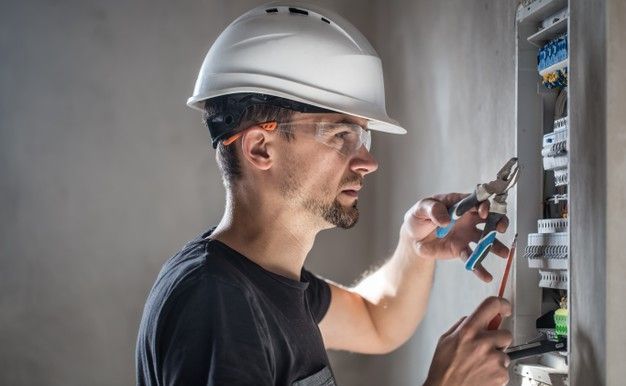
194 281
199 264
198 305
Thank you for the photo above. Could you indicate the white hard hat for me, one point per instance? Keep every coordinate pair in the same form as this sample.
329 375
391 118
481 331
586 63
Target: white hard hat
301 53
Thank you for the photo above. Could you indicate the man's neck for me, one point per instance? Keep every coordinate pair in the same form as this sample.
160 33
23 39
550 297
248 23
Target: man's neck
272 236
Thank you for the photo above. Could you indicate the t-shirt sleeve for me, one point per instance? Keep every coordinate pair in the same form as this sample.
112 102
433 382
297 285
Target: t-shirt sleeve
210 337
317 295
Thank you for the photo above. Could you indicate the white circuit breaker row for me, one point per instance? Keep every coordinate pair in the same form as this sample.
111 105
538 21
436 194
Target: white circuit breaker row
547 250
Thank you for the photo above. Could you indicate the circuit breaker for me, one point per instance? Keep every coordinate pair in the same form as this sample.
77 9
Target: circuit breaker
543 265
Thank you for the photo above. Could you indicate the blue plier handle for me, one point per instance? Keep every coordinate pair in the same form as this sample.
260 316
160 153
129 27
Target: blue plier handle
486 241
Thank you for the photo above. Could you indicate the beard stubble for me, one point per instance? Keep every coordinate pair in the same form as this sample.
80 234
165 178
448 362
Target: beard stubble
332 211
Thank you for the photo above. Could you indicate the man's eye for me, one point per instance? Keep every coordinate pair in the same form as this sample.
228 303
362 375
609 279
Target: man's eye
343 134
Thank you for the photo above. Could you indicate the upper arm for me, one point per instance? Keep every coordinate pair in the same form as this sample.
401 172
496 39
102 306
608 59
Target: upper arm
348 325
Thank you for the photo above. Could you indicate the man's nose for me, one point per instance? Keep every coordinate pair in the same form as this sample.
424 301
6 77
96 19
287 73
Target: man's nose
363 162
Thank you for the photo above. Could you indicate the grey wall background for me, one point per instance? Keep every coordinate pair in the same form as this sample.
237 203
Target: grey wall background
616 189
450 73
588 189
104 172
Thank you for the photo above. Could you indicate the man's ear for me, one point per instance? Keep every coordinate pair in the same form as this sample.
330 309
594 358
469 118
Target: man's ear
256 147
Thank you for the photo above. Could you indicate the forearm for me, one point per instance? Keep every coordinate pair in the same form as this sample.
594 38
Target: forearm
396 295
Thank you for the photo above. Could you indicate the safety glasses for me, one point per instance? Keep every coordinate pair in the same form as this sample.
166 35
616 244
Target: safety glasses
345 137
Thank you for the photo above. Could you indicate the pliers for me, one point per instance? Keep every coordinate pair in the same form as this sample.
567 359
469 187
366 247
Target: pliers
538 347
498 188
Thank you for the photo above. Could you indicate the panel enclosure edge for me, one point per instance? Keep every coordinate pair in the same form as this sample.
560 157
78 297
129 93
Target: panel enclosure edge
529 123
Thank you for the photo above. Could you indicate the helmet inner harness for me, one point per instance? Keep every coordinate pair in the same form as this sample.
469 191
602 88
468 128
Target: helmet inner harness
229 109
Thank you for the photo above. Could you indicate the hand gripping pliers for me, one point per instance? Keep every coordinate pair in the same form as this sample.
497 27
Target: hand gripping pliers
498 188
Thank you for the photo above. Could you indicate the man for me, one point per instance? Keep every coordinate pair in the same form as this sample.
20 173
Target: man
290 96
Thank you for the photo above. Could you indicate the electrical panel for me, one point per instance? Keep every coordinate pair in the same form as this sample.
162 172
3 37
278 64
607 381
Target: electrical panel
542 143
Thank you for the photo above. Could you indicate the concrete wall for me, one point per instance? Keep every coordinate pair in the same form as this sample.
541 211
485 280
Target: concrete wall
450 77
598 139
616 191
104 173
587 99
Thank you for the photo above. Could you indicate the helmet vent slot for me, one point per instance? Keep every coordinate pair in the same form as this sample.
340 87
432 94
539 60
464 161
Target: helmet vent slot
298 11
325 20
271 10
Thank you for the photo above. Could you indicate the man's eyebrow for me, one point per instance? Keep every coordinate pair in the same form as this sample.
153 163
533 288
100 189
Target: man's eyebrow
354 122
345 119
342 120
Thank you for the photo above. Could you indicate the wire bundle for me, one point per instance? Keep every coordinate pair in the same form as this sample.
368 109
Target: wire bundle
556 79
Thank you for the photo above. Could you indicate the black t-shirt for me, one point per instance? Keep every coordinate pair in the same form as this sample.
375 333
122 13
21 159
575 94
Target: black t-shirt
214 317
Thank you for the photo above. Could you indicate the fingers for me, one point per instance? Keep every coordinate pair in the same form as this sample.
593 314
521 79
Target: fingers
435 249
483 209
479 271
425 216
476 234
500 339
483 274
500 249
437 212
503 224
454 327
450 199
506 363
486 311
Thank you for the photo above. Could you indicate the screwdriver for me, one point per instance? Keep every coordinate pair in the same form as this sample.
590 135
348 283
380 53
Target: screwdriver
495 322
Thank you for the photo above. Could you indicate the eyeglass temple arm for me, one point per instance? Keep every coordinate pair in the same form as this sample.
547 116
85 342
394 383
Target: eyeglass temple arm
269 126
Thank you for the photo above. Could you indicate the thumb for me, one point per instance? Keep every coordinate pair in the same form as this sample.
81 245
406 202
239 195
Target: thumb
436 211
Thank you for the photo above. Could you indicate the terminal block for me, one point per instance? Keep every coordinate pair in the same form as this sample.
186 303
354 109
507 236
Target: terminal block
555 279
552 225
547 251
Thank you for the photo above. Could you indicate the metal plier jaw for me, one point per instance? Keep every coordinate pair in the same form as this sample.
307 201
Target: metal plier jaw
505 179
497 192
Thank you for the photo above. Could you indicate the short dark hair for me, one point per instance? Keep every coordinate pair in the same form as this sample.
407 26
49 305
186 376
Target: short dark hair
226 156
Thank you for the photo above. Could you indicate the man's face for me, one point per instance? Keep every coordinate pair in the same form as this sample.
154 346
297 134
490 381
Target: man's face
321 179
